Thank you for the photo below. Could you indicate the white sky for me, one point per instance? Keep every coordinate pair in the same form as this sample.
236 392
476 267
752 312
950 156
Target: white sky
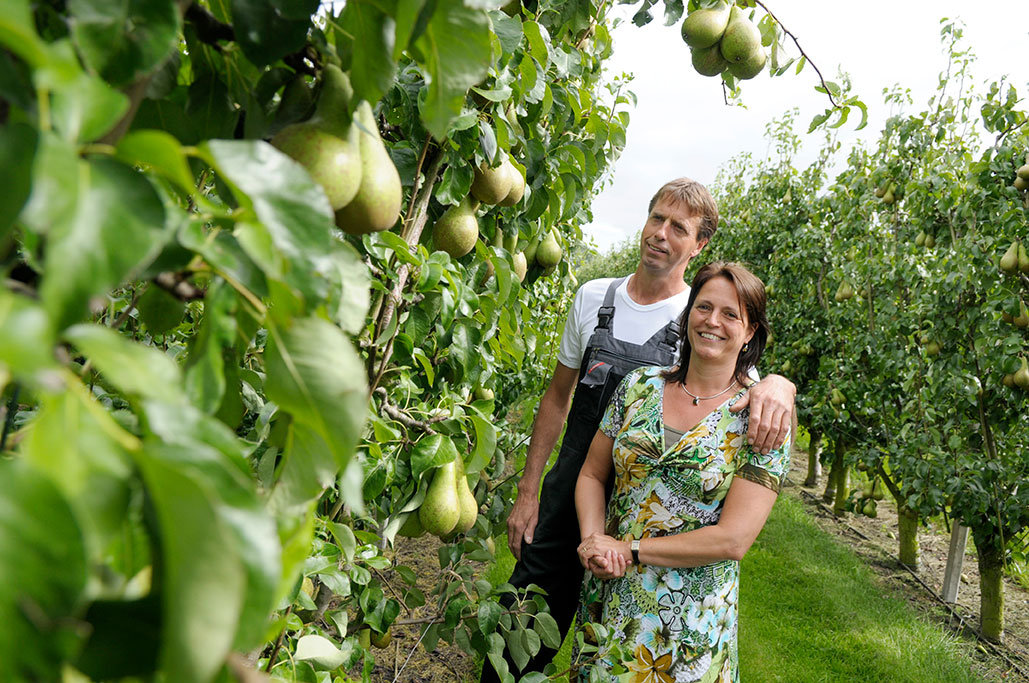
681 125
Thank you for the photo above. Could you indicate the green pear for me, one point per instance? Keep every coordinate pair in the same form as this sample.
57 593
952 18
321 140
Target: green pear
1009 261
1023 172
749 67
704 27
520 265
457 229
517 186
889 197
511 242
1021 184
1021 321
1008 381
930 241
491 185
483 393
466 500
836 397
412 526
708 61
920 240
548 254
741 38
376 206
441 509
844 292
327 144
1023 259
1021 377
933 348
530 249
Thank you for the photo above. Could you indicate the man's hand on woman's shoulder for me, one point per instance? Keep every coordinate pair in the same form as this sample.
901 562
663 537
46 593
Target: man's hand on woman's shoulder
771 412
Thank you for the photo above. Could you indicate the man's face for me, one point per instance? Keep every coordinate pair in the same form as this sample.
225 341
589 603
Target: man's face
669 239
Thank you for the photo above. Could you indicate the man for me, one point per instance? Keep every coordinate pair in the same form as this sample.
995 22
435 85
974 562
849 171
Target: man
614 326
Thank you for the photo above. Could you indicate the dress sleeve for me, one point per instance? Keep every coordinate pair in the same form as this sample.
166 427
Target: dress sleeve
614 414
768 470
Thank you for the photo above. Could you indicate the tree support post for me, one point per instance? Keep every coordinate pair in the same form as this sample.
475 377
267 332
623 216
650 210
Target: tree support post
955 558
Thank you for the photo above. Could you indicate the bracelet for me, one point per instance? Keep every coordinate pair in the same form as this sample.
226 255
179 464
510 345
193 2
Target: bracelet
634 547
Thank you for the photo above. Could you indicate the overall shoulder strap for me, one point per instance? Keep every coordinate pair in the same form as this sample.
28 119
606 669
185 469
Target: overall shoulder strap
607 310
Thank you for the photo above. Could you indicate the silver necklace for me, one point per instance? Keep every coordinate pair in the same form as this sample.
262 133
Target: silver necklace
698 399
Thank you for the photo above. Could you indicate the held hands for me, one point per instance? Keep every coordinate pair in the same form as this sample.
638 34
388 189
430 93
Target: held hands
771 412
604 556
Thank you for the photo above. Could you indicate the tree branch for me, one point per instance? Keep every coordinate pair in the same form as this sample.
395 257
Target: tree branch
405 419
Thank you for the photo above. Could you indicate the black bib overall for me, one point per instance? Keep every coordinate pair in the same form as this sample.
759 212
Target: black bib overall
550 561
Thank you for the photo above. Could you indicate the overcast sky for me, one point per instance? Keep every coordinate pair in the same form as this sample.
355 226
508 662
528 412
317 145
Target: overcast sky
681 125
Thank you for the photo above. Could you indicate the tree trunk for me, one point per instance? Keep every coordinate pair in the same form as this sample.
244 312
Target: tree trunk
830 483
814 464
907 520
991 585
842 480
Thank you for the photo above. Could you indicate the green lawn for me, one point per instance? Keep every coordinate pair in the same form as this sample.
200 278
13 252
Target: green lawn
812 611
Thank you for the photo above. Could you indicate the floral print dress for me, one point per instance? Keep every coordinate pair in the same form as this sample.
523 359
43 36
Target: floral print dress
680 624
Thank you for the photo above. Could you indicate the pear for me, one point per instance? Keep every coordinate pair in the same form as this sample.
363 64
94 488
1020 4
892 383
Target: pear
920 240
1023 259
889 197
457 229
1021 377
376 206
517 186
482 393
511 242
932 348
381 640
740 40
491 185
1008 381
327 143
1021 321
548 254
930 241
844 292
1021 184
469 507
441 510
836 397
520 265
708 61
412 526
1009 261
1023 172
880 191
704 27
749 67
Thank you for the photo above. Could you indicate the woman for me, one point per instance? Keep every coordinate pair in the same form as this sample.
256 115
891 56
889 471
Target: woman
689 495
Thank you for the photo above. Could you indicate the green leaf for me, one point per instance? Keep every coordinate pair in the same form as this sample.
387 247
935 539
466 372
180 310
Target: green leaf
124 39
431 452
294 210
43 562
456 49
508 30
489 616
547 628
158 152
132 367
17 150
314 373
112 229
485 444
539 41
18 32
350 293
212 349
516 646
268 30
203 580
320 652
26 337
225 254
159 310
209 108
82 107
367 35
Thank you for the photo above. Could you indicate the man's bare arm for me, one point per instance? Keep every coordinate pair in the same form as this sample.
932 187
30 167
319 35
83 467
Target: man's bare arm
771 411
550 419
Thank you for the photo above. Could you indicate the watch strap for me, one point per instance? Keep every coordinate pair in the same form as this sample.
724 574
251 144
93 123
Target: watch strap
634 546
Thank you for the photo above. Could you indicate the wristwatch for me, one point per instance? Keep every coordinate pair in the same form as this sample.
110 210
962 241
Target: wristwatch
634 546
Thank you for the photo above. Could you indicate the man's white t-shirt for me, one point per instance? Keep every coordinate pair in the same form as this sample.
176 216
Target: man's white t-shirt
634 323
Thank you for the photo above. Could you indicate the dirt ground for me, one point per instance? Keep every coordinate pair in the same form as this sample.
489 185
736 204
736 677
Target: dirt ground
872 539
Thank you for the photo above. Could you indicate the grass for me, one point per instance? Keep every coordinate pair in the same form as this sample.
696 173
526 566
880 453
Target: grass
812 611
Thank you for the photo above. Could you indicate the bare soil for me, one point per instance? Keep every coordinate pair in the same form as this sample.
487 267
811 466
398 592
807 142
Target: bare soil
875 540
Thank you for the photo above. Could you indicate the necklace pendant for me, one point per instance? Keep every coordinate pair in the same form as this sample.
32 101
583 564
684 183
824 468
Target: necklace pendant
696 401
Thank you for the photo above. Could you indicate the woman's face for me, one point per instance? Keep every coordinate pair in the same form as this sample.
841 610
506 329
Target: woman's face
718 326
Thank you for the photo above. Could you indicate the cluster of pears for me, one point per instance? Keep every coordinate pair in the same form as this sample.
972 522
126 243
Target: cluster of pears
925 239
1022 178
456 231
341 149
844 291
1019 378
1015 259
721 38
449 507
889 192
1021 321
